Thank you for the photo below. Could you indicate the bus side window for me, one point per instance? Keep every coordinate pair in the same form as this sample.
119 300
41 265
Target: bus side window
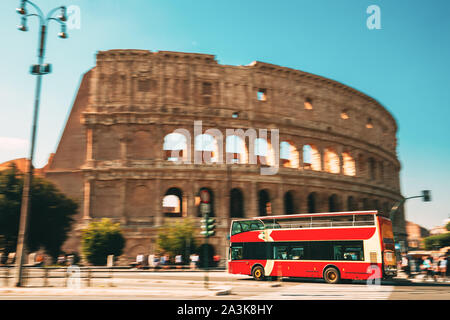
280 252
349 251
297 253
237 252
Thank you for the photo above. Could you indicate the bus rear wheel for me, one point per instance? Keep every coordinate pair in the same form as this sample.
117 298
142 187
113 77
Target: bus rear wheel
258 273
331 275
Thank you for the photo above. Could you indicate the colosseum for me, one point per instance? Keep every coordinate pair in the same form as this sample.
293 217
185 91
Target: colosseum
130 147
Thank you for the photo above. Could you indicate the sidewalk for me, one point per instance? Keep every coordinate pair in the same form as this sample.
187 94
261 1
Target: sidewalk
420 278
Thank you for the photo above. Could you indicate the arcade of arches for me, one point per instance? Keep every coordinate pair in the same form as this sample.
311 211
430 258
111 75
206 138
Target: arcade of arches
174 203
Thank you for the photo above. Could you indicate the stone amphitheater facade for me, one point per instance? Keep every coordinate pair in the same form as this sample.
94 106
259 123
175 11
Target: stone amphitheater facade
112 157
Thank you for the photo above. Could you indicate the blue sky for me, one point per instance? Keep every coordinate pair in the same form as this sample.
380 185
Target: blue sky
405 65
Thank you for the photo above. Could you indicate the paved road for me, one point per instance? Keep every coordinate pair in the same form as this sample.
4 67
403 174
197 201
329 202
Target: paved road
190 286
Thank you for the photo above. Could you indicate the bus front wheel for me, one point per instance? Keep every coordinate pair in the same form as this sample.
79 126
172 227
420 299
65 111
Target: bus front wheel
331 275
258 273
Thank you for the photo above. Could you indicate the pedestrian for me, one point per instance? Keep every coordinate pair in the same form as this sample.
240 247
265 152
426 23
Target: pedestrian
195 260
443 268
447 270
139 261
61 259
405 265
427 267
151 261
167 259
435 269
216 260
191 259
412 267
40 260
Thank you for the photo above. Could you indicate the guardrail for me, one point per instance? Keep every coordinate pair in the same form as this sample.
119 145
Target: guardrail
86 274
72 275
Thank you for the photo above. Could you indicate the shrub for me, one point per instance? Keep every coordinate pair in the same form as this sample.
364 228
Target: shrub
100 239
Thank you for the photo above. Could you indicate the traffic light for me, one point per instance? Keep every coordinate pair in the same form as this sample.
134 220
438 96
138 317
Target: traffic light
208 226
426 194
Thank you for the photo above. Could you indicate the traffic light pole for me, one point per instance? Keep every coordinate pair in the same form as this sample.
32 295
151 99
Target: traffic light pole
206 279
426 196
208 226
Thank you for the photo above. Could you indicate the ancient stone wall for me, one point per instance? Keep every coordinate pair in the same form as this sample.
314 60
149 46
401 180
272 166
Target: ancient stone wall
342 143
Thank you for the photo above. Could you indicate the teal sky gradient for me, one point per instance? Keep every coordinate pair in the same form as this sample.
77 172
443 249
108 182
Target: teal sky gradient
405 65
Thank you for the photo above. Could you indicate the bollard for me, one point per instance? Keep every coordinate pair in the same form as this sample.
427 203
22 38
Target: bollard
66 278
6 276
111 277
88 279
45 277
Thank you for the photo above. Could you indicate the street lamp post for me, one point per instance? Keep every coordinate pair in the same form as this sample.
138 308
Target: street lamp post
39 70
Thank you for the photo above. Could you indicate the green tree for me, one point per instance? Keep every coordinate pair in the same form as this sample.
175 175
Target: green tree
100 239
50 218
177 238
436 242
447 226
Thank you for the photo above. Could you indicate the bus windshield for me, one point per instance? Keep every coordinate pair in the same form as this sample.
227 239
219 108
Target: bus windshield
387 234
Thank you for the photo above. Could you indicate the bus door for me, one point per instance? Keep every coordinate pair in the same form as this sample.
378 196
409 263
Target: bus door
237 263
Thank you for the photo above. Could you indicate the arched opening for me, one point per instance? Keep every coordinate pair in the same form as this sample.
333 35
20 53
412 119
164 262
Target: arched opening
333 203
211 203
386 209
348 164
351 204
289 203
376 205
235 149
264 204
365 204
263 152
361 166
311 158
175 147
206 148
173 203
372 168
331 161
289 155
312 202
236 203
381 166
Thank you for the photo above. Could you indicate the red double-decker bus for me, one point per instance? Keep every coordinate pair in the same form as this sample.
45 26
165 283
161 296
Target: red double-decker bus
332 246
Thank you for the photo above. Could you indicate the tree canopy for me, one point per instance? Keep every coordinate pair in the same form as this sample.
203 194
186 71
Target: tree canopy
50 218
437 241
100 239
177 237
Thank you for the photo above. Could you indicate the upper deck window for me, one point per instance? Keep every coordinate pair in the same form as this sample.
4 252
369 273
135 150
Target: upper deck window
331 221
246 225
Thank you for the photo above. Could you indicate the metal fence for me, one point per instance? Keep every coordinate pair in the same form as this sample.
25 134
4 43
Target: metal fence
65 276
